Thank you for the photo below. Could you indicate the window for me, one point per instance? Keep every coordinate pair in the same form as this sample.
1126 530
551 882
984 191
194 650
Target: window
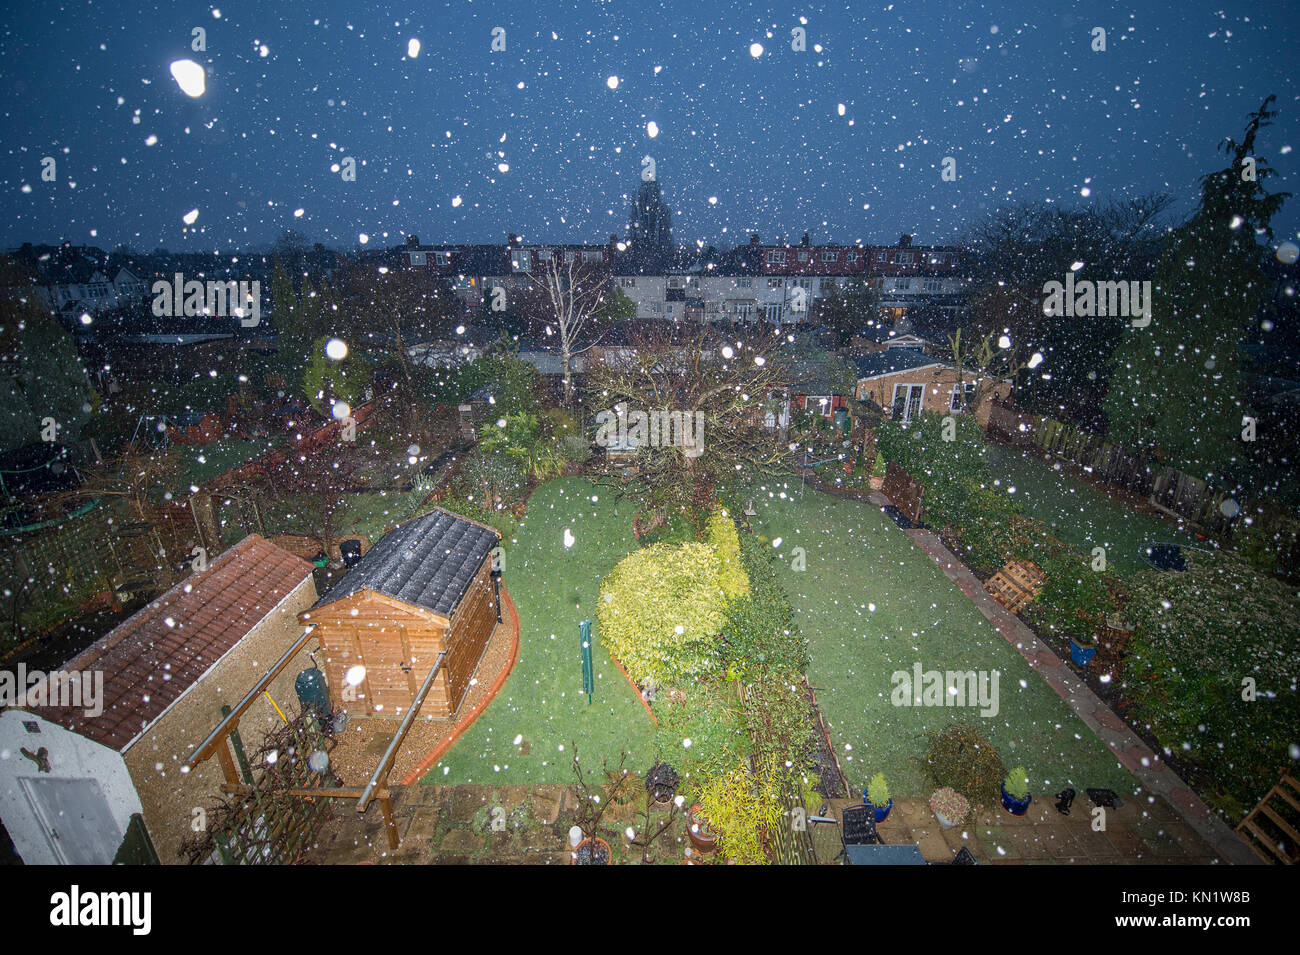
417 258
818 404
803 256
772 313
97 290
801 283
932 285
907 401
902 285
627 282
904 258
544 255
668 309
829 257
851 258
961 398
882 256
442 258
776 257
775 283
744 283
743 310
591 256
521 260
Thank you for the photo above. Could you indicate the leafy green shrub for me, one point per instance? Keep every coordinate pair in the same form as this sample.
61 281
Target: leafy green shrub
575 448
962 758
881 467
777 716
1197 636
519 438
878 791
1266 540
488 479
1074 596
724 540
742 810
660 612
711 725
1016 784
760 630
944 468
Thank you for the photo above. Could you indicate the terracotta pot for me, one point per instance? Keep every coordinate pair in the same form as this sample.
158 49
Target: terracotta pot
596 842
876 483
701 840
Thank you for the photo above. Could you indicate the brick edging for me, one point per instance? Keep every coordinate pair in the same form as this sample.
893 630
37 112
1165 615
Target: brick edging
464 723
633 685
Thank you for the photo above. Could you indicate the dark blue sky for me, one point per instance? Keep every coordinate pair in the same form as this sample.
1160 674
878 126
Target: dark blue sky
1012 91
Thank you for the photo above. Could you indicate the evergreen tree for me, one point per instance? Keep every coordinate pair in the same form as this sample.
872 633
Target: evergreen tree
1176 385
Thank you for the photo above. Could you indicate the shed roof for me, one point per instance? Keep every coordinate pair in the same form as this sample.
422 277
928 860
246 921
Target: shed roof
428 562
879 364
153 657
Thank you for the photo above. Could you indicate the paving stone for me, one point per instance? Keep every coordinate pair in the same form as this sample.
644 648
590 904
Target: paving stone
461 840
546 806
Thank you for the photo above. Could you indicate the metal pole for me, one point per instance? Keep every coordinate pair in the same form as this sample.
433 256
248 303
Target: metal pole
385 764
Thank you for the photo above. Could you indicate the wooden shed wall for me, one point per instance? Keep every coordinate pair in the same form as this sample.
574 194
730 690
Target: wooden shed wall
398 643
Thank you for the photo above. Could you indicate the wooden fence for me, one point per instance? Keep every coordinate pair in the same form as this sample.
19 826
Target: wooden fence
1179 494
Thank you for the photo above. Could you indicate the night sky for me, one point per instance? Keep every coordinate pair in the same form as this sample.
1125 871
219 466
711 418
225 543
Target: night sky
1012 91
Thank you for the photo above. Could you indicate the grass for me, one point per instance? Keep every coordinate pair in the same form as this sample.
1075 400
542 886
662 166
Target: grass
1077 512
872 603
369 514
542 704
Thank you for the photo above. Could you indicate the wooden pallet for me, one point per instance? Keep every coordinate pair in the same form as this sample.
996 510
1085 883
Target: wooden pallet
1270 829
1016 584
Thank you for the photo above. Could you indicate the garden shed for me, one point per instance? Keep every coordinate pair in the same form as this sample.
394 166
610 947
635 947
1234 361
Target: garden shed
424 589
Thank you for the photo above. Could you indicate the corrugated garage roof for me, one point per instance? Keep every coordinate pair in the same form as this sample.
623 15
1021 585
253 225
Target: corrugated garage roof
428 562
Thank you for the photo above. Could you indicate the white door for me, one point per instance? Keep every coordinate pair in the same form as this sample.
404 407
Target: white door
907 401
76 819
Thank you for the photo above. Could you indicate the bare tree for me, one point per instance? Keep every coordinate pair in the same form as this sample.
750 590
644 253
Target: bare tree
577 293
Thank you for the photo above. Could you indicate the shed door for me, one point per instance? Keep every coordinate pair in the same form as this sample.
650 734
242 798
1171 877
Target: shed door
76 819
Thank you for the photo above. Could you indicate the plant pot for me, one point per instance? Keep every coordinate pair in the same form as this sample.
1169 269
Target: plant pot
594 851
943 820
1080 654
1014 806
876 482
702 840
881 813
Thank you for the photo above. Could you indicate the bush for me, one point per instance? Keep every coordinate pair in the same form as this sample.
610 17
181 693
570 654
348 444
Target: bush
742 810
777 716
660 612
962 758
760 632
519 438
718 741
575 449
1197 636
944 468
724 540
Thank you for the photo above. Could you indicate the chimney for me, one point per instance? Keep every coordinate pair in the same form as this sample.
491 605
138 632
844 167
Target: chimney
905 242
805 240
753 239
412 241
512 240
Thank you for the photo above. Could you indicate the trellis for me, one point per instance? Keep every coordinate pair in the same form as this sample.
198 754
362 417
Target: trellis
276 819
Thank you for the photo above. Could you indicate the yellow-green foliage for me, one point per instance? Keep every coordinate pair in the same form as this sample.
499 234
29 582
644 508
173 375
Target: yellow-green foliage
726 544
741 811
647 597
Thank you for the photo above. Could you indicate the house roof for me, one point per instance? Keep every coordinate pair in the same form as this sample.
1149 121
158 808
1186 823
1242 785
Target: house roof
428 562
152 658
890 361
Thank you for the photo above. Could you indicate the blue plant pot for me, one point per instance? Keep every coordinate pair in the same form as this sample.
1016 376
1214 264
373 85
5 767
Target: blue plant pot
880 813
1014 806
1080 654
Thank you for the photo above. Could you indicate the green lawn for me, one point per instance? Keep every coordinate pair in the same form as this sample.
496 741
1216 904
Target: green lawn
1077 512
542 704
872 603
203 463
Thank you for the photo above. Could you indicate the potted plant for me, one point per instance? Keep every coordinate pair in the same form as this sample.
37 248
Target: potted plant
698 831
661 782
877 479
1080 652
949 807
591 849
877 797
1015 792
